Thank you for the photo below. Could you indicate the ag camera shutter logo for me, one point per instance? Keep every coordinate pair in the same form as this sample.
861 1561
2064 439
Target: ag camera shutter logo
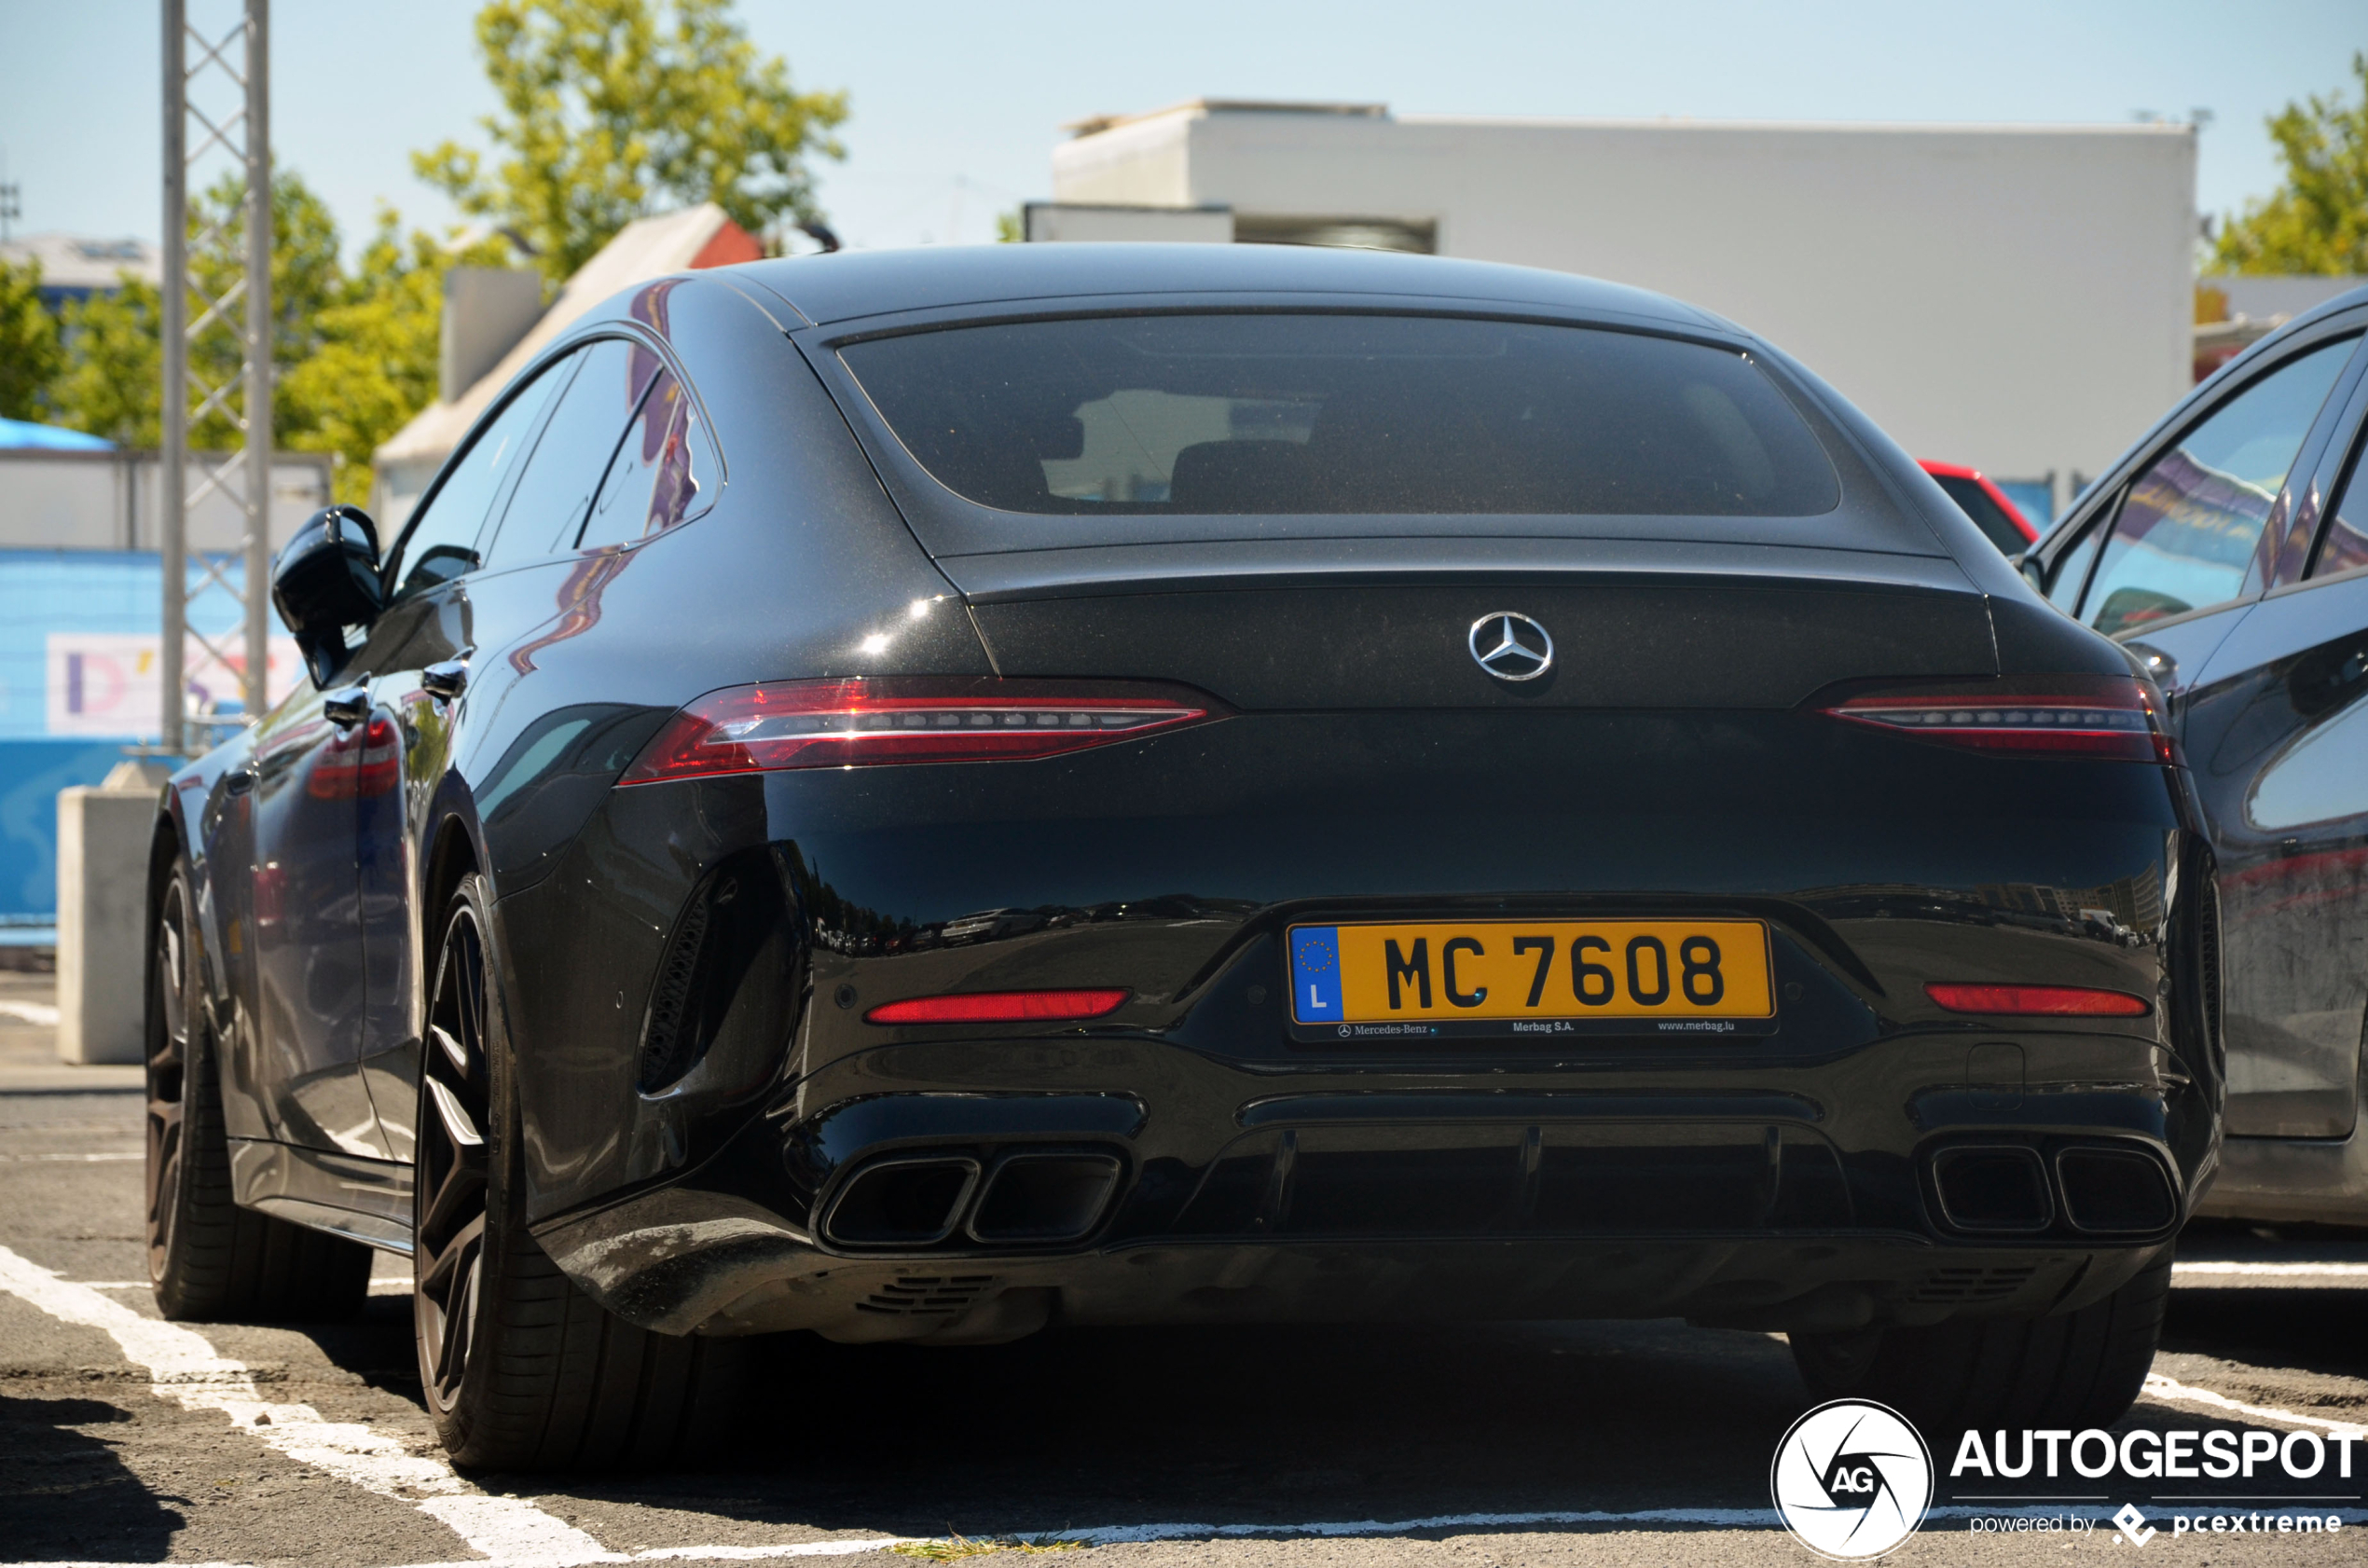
1851 1479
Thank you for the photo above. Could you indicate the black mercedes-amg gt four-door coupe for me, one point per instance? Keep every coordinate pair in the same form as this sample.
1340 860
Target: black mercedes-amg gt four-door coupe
922 796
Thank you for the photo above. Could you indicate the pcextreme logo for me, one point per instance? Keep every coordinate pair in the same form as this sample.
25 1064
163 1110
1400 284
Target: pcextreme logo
1851 1479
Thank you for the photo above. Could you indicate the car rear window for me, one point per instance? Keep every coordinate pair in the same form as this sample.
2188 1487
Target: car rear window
1280 414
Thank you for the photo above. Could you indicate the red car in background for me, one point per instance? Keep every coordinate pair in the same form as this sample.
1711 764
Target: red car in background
1986 505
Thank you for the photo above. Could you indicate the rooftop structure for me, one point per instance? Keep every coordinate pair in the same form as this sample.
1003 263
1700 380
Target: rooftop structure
77 266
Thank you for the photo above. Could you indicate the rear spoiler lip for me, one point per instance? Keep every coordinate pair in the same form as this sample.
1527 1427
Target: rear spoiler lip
1098 570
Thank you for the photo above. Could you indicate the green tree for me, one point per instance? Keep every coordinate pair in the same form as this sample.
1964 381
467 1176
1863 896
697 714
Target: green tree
30 357
113 378
113 365
2317 220
373 362
614 109
354 355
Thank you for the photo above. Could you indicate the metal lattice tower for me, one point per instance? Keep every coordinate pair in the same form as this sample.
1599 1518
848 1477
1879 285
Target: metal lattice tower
243 57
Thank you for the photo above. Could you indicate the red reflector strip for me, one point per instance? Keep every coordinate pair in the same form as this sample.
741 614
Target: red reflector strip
2048 1001
851 723
999 1006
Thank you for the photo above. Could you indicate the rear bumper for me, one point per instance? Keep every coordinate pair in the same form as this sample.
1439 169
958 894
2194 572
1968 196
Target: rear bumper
978 1191
1239 1168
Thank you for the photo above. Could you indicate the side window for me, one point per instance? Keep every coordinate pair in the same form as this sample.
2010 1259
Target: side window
442 540
663 474
2189 534
2071 568
2344 546
548 509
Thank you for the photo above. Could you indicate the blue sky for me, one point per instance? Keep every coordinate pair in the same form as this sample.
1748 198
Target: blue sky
957 105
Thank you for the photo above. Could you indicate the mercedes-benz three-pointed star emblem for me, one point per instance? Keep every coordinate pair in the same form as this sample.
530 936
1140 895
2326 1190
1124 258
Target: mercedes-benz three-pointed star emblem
1510 646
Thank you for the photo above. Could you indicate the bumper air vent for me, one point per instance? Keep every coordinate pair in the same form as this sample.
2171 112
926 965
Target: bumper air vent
724 980
1974 1284
1038 1198
664 1045
906 1200
1992 1188
2207 958
2115 1191
926 1296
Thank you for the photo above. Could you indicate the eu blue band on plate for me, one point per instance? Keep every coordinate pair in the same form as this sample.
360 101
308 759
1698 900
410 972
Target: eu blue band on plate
1315 974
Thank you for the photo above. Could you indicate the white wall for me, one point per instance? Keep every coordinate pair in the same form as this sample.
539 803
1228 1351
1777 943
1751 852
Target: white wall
1048 222
2016 299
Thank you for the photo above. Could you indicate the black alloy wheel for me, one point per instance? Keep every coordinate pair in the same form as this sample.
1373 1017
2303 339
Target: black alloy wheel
522 1370
209 1259
451 1180
2072 1369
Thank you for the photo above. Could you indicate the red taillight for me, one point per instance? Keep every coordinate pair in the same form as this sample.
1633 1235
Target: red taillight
2108 717
2042 1001
853 724
999 1006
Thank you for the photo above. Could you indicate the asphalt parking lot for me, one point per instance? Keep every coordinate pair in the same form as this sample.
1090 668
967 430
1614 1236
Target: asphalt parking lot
123 1439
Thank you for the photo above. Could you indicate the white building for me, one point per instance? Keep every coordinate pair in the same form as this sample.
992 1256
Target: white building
77 265
2015 297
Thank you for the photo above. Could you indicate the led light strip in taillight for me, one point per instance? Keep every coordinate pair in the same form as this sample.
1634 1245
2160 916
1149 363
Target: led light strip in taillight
1001 1006
855 723
2038 1001
2108 717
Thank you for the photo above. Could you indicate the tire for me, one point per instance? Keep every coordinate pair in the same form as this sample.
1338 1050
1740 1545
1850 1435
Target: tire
2074 1370
521 1368
209 1259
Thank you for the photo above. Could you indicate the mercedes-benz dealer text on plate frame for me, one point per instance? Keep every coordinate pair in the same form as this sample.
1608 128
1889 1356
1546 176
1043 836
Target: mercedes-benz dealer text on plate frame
922 796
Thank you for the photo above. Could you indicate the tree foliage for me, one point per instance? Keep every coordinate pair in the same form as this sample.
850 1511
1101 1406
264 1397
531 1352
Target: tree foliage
30 357
114 365
354 354
2317 221
113 378
614 109
372 362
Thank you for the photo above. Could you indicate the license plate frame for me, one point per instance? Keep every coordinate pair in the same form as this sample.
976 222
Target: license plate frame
1356 1016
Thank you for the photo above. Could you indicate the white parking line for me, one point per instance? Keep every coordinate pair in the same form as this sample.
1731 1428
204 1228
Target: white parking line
1729 1519
69 1159
513 1533
2267 1270
31 1013
183 1368
2160 1387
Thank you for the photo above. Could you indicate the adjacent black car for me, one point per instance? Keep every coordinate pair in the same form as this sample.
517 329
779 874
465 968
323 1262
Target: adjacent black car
2226 551
922 796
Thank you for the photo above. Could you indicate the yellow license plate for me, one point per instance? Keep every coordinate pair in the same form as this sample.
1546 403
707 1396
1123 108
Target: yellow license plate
1491 971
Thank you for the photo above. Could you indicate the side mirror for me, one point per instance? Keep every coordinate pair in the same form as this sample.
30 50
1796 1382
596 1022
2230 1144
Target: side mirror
2035 573
327 579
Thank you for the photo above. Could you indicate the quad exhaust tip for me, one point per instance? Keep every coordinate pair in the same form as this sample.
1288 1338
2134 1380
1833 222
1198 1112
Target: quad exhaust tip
1026 1199
902 1201
2098 1189
1038 1198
